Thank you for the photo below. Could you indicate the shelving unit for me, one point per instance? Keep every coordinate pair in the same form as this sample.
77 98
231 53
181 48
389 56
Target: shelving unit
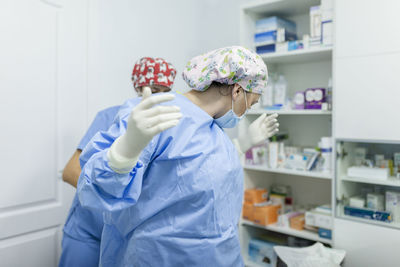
313 174
289 231
305 68
290 112
347 187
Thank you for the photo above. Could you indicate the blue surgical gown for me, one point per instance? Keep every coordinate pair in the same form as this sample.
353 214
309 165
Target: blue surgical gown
180 204
83 228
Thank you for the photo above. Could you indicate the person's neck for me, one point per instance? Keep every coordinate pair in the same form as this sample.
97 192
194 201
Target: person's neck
210 101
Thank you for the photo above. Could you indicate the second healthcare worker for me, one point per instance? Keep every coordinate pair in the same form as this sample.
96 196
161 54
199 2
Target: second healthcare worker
173 195
83 228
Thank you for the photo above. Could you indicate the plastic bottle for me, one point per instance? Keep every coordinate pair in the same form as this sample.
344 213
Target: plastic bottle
273 148
326 154
329 94
268 95
281 155
280 91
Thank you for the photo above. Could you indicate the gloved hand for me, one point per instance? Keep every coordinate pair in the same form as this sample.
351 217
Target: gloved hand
145 121
260 130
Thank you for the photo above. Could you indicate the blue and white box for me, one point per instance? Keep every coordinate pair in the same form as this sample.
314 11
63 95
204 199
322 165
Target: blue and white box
275 36
274 23
325 233
262 253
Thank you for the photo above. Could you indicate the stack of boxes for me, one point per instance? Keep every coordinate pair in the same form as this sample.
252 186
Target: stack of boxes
276 34
320 218
375 206
321 25
273 34
257 209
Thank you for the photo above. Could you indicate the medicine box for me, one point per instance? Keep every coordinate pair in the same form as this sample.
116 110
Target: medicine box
266 214
297 222
248 211
375 201
318 219
275 36
274 23
325 233
376 215
393 204
262 253
368 173
357 201
265 49
255 195
314 98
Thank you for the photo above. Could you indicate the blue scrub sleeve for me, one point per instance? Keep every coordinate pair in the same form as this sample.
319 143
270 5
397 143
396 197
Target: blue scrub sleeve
99 187
101 122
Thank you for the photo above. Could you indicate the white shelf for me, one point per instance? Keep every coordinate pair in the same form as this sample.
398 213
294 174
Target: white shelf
290 112
289 231
312 174
392 181
280 7
301 55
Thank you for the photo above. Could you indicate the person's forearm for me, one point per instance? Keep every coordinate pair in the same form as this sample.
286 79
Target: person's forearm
72 170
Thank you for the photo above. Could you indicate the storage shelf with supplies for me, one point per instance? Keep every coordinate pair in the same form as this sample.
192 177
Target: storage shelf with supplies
301 130
313 174
340 212
391 181
290 112
297 56
289 231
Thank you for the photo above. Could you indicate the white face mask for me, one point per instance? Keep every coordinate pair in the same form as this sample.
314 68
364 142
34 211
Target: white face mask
230 119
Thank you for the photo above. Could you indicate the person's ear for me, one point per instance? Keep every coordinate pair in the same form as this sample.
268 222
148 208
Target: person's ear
236 91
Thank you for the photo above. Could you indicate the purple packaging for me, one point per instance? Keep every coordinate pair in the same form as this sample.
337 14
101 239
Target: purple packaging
298 100
249 157
314 97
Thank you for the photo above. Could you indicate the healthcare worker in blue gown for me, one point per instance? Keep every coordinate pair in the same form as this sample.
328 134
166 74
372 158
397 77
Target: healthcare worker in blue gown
166 174
83 228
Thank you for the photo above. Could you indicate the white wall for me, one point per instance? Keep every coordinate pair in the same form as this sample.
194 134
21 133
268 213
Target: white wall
120 32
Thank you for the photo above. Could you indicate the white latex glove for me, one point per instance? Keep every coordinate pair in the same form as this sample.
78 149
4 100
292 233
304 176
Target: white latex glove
259 130
145 121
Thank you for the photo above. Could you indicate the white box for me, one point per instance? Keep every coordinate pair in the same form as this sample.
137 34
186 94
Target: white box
368 173
375 201
315 21
327 33
317 219
357 202
393 204
281 47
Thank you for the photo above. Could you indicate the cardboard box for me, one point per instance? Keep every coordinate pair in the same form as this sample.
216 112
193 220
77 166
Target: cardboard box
248 211
297 222
318 219
255 195
266 214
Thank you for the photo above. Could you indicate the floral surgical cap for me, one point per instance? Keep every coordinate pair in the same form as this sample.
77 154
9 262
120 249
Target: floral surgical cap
228 65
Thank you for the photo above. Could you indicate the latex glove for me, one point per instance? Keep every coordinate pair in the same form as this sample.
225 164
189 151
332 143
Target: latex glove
145 121
260 130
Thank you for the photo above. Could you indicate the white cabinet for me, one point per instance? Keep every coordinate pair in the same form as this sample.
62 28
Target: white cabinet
367 97
365 27
367 245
